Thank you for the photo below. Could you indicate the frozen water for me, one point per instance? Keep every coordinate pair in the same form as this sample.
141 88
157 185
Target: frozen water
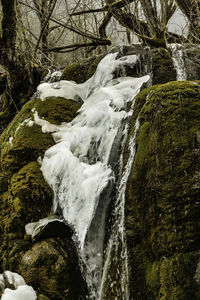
77 166
23 292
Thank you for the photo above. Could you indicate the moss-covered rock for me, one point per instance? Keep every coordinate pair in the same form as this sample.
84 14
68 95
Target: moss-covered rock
51 265
162 197
191 57
23 140
93 66
80 72
51 268
162 66
42 297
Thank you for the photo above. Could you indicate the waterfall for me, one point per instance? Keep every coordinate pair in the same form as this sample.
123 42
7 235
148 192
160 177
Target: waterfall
177 57
80 167
116 252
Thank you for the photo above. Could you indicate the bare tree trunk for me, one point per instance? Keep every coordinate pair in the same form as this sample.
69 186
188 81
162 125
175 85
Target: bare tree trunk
20 75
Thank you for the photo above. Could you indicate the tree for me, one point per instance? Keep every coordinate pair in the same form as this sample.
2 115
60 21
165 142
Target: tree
147 19
44 10
191 9
20 73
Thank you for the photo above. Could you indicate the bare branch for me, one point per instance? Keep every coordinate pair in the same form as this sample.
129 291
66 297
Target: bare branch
92 44
78 31
105 22
45 23
116 4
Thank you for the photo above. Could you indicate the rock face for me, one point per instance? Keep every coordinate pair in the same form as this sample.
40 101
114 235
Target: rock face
191 57
25 197
162 197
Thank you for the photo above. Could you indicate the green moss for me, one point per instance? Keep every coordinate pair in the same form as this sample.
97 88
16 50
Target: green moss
162 66
43 297
32 195
57 110
92 68
173 278
162 197
22 143
74 72
50 266
28 199
80 72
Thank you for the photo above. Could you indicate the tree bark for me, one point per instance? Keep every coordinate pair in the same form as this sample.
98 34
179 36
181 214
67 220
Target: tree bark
20 75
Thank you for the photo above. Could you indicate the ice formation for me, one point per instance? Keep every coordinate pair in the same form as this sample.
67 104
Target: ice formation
21 291
77 166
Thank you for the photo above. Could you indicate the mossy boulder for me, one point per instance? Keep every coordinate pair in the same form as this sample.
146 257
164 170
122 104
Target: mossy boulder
80 72
51 268
162 197
93 66
25 197
162 66
23 141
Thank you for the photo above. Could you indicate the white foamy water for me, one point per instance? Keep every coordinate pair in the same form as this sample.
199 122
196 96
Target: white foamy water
21 291
118 239
177 57
77 166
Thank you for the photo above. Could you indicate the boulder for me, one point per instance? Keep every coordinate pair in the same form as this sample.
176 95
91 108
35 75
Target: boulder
23 140
162 197
52 263
80 72
51 268
49 227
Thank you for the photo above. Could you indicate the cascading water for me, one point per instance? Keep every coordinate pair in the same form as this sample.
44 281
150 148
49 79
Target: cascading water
81 169
80 166
177 57
116 252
